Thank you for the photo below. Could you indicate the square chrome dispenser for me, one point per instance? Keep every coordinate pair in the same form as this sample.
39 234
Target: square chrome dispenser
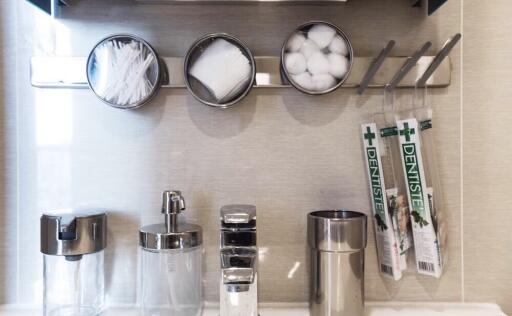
73 244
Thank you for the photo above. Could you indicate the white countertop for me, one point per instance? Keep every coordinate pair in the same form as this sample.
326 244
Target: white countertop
373 309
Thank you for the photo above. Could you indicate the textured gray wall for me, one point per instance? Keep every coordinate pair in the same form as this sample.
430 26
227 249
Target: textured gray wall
284 152
487 156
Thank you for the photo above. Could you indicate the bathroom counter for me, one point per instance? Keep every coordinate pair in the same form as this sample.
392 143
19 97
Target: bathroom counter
373 309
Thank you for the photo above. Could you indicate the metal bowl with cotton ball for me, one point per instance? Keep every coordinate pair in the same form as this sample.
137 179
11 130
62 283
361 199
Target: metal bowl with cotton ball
317 58
124 71
220 70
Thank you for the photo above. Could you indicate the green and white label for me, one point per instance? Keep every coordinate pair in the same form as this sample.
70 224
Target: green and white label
425 238
387 248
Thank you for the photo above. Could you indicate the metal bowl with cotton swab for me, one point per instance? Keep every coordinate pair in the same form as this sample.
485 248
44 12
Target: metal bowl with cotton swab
124 71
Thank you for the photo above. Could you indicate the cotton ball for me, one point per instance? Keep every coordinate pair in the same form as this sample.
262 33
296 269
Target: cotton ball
338 65
318 64
339 46
323 82
295 42
295 63
322 35
304 80
309 48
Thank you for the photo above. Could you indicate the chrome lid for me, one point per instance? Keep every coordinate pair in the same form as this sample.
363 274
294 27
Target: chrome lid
73 233
171 234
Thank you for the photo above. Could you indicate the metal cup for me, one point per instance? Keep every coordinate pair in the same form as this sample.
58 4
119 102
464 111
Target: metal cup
337 239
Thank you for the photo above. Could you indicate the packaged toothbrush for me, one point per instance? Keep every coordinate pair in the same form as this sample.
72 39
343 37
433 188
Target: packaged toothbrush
418 162
388 196
400 216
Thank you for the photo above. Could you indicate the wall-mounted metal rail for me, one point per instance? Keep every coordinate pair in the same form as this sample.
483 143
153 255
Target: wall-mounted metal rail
70 72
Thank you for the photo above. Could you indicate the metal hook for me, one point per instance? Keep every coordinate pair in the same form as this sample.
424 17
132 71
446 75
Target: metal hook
407 66
445 51
375 66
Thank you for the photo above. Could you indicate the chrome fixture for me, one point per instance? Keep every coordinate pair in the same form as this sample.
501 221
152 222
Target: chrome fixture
408 65
337 239
73 233
443 53
68 72
238 260
375 66
171 235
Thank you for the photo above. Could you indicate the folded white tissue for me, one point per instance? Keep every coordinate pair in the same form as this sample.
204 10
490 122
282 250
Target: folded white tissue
223 69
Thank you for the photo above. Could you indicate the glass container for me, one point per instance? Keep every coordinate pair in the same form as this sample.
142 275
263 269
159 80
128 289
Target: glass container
171 259
73 249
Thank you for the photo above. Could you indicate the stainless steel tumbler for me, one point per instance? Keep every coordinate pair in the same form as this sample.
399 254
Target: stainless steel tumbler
337 239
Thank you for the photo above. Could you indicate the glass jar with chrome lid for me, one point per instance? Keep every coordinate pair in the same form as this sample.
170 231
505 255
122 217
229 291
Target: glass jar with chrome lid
171 263
73 244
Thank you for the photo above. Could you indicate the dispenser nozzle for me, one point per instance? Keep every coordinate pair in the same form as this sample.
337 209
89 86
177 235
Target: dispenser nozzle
173 204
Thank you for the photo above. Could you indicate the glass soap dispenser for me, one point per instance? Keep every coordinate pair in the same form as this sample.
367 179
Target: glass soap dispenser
171 263
73 244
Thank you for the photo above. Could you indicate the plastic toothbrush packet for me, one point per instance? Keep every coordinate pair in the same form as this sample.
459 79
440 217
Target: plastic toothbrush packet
388 194
421 175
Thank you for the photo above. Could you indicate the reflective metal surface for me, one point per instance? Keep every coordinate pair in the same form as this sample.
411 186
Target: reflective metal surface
67 72
124 71
443 53
197 89
375 66
337 240
239 258
170 234
73 233
407 66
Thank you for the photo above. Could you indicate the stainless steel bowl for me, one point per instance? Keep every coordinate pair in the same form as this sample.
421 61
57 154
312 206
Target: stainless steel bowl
154 73
304 28
197 89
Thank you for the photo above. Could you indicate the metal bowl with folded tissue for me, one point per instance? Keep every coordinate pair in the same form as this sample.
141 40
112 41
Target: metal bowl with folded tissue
317 58
220 70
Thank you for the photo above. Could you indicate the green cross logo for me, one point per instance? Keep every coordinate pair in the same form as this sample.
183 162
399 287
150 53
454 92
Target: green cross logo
369 136
407 132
